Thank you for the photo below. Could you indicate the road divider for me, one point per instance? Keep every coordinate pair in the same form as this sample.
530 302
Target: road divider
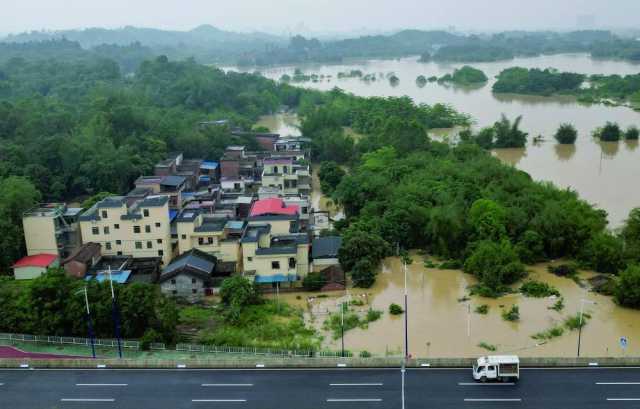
218 400
356 384
102 384
623 399
355 400
87 400
485 384
617 383
227 384
492 400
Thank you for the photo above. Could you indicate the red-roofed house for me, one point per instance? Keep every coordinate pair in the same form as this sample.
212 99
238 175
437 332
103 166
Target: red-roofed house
272 207
31 267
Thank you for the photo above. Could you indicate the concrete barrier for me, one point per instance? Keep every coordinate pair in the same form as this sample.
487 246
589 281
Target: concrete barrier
259 362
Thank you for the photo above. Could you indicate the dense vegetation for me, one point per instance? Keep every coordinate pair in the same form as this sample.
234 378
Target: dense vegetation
502 134
465 75
52 305
566 134
535 81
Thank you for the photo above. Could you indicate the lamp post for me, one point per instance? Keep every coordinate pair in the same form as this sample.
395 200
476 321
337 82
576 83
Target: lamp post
88 317
582 302
115 312
406 332
342 327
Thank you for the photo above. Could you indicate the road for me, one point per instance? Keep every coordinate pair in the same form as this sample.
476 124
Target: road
315 389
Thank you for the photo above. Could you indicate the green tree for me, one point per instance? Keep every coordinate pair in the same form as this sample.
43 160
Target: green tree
610 132
566 134
495 264
330 175
487 220
363 273
508 134
627 289
361 245
314 281
603 253
632 133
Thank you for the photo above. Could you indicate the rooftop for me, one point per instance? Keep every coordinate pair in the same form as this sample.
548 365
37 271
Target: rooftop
172 180
273 206
275 161
193 262
326 247
235 148
38 260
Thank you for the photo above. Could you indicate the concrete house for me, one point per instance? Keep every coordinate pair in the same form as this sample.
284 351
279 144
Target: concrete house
30 267
287 175
51 228
211 235
189 275
324 252
140 230
78 264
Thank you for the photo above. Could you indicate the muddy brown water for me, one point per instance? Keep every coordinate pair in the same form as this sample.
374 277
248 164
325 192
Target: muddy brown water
439 323
603 174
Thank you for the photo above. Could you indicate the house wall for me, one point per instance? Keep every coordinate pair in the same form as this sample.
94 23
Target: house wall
262 264
31 272
183 287
302 265
230 168
320 264
224 250
125 233
277 226
40 235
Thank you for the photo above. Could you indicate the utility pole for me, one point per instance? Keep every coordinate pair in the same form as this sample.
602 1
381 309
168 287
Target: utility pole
88 317
115 312
582 302
342 326
406 331
469 319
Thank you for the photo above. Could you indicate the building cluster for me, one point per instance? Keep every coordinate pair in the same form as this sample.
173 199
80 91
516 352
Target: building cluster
193 223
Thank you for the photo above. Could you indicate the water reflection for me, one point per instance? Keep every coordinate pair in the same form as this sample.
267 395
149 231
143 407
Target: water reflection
533 100
631 145
512 156
609 149
463 89
564 152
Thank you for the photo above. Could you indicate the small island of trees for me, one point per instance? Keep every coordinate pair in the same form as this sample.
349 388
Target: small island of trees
465 76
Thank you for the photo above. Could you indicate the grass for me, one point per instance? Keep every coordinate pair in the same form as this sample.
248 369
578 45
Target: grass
487 346
513 314
558 305
538 289
268 325
351 320
482 309
549 334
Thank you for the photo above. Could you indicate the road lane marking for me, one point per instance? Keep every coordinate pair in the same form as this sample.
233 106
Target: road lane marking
87 400
493 400
485 384
102 384
356 384
617 383
218 400
354 400
227 384
624 399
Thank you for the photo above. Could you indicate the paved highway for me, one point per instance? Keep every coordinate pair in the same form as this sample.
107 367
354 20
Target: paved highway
315 389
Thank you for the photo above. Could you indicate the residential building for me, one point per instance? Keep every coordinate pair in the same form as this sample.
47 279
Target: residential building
51 228
209 234
190 275
287 175
140 230
209 172
324 252
30 267
126 269
78 264
171 186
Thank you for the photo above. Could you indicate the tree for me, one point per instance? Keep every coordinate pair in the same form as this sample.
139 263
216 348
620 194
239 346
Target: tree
495 264
239 291
487 220
627 289
603 253
631 236
359 245
632 133
610 132
566 134
363 273
314 281
330 175
508 134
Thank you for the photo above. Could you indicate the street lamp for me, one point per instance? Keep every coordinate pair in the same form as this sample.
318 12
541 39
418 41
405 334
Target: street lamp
91 336
115 312
582 302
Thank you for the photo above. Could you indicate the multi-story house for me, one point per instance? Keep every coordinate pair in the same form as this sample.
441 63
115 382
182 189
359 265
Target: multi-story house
140 230
212 235
51 228
286 174
171 186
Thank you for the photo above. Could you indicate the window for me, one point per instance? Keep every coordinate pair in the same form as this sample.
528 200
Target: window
95 230
200 240
285 169
275 265
149 244
159 241
158 224
275 169
138 245
119 253
116 226
136 229
236 186
107 245
174 292
210 240
193 281
249 258
147 229
104 214
184 237
145 212
106 229
194 291
292 262
119 242
173 281
491 368
305 210
161 253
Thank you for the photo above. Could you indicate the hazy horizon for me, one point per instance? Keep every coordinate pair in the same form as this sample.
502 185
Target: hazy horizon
320 16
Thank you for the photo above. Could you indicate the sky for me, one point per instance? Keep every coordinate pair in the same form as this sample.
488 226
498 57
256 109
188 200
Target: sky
286 16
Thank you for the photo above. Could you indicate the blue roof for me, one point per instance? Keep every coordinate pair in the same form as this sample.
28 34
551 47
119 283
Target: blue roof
172 214
234 224
204 178
276 278
118 276
209 165
188 194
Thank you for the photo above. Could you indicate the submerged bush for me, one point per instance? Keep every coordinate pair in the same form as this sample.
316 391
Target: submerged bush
538 289
513 314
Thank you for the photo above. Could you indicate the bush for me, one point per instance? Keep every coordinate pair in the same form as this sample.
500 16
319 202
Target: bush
373 315
363 274
627 290
632 133
558 305
551 333
538 289
566 134
574 322
365 354
487 346
395 309
451 265
513 314
150 336
610 132
313 282
603 253
482 309
564 270
495 264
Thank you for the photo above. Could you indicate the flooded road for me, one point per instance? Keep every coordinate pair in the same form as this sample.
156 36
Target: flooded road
605 175
441 326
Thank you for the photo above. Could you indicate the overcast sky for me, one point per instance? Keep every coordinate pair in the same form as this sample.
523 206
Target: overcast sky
318 15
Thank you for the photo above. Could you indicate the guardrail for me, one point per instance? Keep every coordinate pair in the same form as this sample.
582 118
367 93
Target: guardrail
50 339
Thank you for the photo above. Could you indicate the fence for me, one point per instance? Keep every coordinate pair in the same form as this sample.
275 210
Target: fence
48 339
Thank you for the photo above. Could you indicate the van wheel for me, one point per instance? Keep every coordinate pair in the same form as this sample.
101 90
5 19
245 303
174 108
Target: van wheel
483 379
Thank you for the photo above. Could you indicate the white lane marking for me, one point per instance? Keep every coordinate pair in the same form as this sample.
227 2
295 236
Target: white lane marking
485 384
227 384
354 400
356 384
623 399
1 384
102 384
218 400
493 400
87 400
617 383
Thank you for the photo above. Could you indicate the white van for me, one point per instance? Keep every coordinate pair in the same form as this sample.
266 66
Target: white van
504 368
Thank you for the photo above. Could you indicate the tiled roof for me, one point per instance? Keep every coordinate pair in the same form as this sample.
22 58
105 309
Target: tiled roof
274 206
38 260
326 247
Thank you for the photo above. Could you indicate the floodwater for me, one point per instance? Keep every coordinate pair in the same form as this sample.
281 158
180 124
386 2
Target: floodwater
605 175
441 326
